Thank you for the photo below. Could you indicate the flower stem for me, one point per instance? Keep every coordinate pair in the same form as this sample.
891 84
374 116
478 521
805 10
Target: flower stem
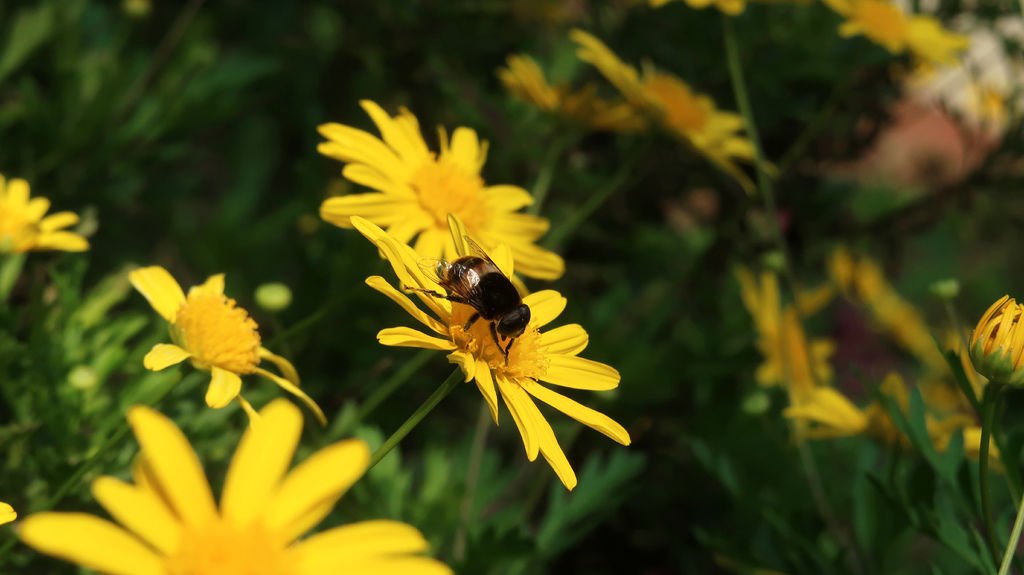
990 404
435 398
476 458
764 186
1011 545
384 391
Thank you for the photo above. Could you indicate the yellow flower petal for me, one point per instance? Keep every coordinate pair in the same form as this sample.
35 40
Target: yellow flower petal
176 469
213 285
36 209
282 364
485 383
465 361
63 241
224 386
507 198
593 419
261 461
580 373
458 232
160 289
58 221
357 146
310 490
17 192
295 390
382 209
408 337
568 339
91 542
164 355
545 306
7 513
381 285
408 145
332 551
392 566
515 399
549 446
140 511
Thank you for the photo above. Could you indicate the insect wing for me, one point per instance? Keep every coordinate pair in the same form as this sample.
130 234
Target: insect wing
476 250
435 269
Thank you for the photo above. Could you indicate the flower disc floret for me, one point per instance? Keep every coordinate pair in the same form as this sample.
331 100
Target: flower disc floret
218 333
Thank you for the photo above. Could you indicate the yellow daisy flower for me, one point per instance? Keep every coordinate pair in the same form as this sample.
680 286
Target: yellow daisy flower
730 7
524 79
209 329
23 226
887 25
550 357
171 525
790 359
671 104
7 513
416 189
831 414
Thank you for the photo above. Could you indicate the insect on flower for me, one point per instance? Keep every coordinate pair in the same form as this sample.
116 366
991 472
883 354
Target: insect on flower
475 280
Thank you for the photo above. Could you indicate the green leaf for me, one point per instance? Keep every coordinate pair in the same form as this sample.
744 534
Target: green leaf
31 28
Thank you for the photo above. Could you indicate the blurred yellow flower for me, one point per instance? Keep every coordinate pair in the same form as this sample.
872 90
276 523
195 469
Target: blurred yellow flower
830 414
416 190
790 360
861 278
537 356
524 79
997 344
171 525
7 513
23 226
887 25
730 7
209 329
673 106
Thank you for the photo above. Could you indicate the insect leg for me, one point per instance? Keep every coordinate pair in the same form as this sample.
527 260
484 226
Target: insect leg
472 320
453 298
507 348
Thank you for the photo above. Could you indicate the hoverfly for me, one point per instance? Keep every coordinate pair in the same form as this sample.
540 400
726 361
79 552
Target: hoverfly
476 281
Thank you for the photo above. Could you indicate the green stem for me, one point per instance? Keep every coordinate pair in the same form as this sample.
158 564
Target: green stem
384 390
562 232
764 185
435 398
10 269
542 185
1011 545
989 406
476 458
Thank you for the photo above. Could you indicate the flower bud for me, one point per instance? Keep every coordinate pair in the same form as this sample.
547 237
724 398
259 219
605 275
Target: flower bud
273 296
997 344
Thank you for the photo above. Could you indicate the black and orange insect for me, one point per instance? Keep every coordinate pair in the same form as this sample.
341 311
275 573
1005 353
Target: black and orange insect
476 281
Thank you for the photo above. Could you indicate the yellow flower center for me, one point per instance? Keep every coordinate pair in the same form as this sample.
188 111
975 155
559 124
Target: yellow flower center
444 187
224 549
882 21
16 230
217 333
683 112
525 359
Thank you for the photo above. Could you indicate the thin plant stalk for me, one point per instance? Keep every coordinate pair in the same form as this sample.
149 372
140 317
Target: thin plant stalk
476 458
990 405
1011 545
767 193
417 416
